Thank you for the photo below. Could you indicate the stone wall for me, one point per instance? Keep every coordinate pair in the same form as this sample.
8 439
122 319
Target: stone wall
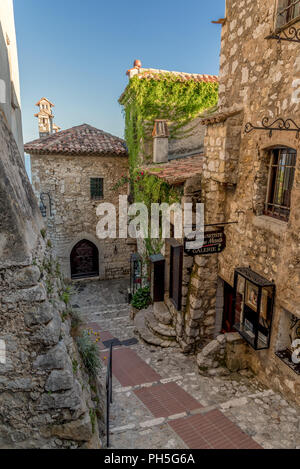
67 180
195 323
258 78
45 401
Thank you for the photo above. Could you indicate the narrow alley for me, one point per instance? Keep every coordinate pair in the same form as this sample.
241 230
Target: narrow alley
161 402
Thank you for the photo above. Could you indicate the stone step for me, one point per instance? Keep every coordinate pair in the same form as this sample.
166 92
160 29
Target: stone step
105 313
147 336
163 331
162 313
101 308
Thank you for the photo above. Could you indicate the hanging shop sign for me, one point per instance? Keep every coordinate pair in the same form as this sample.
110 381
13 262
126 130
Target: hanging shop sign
214 243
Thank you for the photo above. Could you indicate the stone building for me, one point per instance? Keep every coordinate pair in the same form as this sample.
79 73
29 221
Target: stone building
173 160
73 171
10 103
249 184
251 177
184 139
44 401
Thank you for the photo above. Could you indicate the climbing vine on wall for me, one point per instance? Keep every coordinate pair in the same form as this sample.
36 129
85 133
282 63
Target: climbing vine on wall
165 98
148 188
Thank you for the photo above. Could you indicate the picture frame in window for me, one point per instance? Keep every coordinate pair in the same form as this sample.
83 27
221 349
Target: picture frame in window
251 299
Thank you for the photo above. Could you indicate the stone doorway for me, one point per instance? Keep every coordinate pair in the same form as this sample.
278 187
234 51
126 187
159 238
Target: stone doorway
228 313
84 260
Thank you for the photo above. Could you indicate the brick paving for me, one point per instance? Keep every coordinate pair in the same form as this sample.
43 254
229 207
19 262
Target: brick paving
130 369
212 431
238 411
164 400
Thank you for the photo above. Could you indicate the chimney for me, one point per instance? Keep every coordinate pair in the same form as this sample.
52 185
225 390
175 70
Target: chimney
135 70
160 141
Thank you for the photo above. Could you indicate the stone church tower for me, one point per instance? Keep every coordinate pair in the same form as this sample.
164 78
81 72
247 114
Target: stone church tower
45 117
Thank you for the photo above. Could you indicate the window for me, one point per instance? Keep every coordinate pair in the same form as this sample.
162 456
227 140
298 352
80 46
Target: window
96 188
253 300
288 10
280 183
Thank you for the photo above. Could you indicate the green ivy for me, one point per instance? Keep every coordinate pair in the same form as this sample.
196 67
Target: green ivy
168 98
143 101
150 189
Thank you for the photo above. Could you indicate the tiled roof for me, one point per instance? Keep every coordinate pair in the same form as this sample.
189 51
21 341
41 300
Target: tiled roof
177 171
217 118
156 74
81 140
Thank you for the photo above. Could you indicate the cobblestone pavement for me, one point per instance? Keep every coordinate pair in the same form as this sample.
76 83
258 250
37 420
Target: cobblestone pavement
259 412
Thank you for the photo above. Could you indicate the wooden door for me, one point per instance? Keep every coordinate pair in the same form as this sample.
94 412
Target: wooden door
84 260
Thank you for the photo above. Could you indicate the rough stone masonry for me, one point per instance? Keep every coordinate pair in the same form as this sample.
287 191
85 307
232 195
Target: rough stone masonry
46 400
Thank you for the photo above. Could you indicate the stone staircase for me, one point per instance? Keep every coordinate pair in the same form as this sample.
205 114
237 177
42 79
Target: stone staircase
154 326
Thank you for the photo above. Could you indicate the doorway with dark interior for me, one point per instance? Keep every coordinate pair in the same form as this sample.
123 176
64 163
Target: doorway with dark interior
84 260
228 313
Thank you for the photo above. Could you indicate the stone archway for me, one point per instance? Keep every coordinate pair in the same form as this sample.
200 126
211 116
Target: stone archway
84 260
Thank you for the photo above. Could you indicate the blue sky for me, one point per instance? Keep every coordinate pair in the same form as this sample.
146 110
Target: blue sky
76 52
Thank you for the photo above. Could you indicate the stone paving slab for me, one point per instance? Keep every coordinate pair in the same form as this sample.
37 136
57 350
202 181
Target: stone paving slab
164 400
161 437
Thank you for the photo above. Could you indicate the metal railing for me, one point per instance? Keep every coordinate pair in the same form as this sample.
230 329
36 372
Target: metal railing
291 11
109 399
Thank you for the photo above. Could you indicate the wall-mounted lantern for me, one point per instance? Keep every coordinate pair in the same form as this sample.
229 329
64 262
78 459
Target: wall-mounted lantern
253 307
43 207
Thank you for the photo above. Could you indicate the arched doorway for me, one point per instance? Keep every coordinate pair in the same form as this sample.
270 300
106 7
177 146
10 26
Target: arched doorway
84 260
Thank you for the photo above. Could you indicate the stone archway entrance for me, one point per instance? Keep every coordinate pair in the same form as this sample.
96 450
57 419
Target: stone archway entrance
84 260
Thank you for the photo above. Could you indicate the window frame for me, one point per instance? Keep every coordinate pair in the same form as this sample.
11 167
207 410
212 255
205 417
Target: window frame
95 188
279 211
289 21
253 317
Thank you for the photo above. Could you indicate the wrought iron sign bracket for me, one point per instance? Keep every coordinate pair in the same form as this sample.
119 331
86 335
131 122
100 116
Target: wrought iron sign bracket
291 35
280 124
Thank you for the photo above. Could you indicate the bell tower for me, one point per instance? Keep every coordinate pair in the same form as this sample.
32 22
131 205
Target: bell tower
45 118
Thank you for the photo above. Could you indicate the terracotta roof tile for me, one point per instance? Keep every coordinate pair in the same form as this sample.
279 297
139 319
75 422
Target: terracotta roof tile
152 73
219 117
80 140
176 172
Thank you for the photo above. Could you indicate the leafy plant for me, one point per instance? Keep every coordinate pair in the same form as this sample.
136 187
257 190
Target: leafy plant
66 295
75 366
93 419
141 299
89 353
